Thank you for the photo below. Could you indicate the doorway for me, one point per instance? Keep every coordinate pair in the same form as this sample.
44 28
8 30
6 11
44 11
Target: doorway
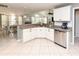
76 26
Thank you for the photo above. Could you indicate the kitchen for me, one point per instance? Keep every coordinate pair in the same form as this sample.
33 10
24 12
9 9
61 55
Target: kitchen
49 31
54 25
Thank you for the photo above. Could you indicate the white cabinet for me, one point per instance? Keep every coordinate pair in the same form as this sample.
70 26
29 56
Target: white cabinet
42 32
62 13
26 35
51 34
32 33
57 15
39 32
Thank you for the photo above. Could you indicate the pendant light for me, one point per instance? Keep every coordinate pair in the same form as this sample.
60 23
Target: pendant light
2 5
50 13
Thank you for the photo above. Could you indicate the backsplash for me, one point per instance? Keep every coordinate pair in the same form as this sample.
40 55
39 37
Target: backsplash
60 23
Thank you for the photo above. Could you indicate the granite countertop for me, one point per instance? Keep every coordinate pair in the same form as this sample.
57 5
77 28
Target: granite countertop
26 26
60 29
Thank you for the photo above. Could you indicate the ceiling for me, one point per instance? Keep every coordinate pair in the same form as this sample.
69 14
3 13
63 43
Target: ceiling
28 8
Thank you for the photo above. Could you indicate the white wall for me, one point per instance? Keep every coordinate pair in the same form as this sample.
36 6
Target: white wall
39 17
60 23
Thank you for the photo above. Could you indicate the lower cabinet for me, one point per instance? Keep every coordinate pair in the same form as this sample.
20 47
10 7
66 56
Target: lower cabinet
50 34
29 34
26 35
34 33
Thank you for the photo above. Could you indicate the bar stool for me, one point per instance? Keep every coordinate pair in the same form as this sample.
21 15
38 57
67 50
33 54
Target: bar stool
11 34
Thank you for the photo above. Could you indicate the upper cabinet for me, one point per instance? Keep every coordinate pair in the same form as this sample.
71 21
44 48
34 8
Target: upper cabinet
62 13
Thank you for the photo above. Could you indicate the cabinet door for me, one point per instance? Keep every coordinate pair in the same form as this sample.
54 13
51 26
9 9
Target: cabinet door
62 14
57 15
34 33
51 34
43 32
66 13
26 35
40 32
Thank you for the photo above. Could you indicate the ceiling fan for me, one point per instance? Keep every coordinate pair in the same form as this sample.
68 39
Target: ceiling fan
2 5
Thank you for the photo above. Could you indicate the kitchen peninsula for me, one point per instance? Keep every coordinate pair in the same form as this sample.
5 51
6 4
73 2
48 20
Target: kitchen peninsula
55 34
31 31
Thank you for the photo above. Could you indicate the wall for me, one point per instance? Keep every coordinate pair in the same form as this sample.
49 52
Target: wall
60 23
41 16
15 20
12 20
8 12
26 18
39 19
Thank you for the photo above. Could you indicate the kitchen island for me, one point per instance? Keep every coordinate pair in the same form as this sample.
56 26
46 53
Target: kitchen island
29 32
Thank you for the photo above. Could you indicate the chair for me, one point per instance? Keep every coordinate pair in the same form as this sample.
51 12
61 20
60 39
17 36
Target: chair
1 33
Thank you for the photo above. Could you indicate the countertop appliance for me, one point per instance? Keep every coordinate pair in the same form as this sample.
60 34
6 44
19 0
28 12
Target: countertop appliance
64 25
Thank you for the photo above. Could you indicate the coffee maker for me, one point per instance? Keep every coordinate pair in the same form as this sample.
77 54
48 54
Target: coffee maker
64 25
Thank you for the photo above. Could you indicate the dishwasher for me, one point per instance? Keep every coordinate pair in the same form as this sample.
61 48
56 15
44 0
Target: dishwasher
60 38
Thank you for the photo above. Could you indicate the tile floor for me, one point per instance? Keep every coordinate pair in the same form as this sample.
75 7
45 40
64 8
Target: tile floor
36 47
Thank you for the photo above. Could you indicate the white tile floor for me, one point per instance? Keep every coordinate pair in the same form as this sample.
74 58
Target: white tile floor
37 47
